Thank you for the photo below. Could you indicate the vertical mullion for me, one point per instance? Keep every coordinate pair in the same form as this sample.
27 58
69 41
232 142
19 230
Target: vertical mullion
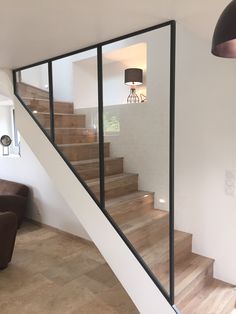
172 157
51 101
14 74
100 126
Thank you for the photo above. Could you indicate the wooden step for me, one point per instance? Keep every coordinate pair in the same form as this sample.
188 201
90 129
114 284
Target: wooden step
215 297
124 208
62 120
89 169
42 105
75 135
193 270
146 228
27 90
189 272
157 255
83 151
115 185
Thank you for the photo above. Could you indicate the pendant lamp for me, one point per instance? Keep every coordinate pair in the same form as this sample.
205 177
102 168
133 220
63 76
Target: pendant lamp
224 38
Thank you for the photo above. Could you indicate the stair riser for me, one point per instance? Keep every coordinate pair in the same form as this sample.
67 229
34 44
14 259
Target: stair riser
84 152
161 262
41 105
118 188
62 121
85 136
141 237
91 171
183 248
127 211
200 280
28 91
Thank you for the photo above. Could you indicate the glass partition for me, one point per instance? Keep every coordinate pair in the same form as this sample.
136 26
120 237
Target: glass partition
110 114
136 80
75 93
33 89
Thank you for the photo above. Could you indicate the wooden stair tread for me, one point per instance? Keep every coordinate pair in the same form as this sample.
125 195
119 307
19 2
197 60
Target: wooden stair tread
129 206
123 200
83 151
73 129
90 161
193 267
186 271
215 297
115 185
79 144
110 179
161 247
143 219
89 168
43 99
59 114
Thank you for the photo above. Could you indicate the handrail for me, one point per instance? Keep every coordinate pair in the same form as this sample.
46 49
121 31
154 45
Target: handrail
101 203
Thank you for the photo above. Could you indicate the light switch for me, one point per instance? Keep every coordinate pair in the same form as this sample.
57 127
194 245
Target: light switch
230 182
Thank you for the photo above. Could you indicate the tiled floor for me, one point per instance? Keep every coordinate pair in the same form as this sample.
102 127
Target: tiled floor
52 273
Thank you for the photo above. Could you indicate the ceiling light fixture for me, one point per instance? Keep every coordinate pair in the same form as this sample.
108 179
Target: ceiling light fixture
224 38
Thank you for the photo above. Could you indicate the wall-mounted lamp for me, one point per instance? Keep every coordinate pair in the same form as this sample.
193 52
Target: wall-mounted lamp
133 77
224 38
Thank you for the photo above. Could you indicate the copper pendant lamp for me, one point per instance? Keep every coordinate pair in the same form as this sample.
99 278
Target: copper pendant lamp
224 38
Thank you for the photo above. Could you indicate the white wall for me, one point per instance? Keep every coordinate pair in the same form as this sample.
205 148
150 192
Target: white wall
36 76
5 120
205 149
6 126
85 83
63 79
46 203
6 88
64 85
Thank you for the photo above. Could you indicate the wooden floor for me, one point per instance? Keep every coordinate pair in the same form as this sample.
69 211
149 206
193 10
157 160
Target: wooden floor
52 273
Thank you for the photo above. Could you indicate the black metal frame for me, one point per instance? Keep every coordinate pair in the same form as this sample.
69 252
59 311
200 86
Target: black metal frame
101 204
51 101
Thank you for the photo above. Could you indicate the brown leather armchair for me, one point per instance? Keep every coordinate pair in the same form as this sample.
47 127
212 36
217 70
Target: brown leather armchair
8 229
13 198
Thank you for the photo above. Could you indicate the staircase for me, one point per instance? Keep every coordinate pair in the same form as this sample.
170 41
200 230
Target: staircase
197 292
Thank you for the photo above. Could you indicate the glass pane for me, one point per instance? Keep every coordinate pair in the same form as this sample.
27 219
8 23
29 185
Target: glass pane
76 114
136 76
33 89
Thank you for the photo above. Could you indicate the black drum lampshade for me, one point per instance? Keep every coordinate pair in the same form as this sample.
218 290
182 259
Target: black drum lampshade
133 76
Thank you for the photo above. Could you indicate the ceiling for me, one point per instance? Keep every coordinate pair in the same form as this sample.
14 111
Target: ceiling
33 30
137 53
